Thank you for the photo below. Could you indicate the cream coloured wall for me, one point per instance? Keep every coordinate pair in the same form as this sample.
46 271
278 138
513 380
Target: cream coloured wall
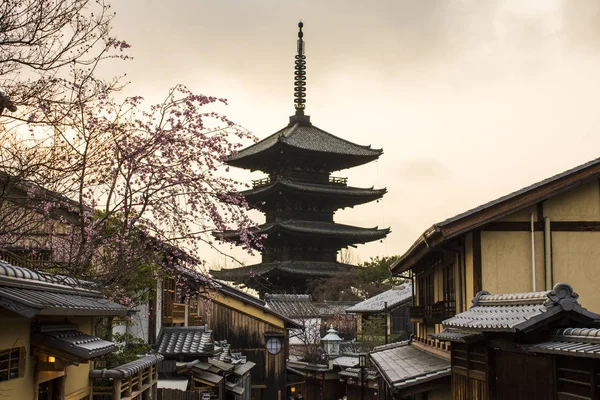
506 261
579 204
576 260
521 215
15 333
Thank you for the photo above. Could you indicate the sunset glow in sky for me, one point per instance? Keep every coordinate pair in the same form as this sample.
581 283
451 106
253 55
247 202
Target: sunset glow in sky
469 99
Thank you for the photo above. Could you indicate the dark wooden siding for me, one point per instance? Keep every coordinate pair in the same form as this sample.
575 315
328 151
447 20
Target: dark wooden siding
523 376
247 334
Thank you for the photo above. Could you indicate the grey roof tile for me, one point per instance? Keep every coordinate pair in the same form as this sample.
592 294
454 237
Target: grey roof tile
517 311
394 297
453 335
67 340
316 188
318 228
292 305
129 369
307 137
403 364
189 340
30 302
300 268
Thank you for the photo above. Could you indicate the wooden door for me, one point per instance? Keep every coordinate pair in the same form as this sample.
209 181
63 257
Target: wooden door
523 376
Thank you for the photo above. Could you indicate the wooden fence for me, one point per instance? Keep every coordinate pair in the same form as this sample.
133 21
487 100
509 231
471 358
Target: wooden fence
175 394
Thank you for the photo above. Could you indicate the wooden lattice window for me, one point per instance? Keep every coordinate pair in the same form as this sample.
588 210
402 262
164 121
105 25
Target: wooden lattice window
12 363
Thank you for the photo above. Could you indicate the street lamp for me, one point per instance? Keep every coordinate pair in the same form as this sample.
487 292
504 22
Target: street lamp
362 363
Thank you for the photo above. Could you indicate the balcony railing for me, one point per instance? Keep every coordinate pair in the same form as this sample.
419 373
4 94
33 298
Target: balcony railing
434 313
338 180
260 182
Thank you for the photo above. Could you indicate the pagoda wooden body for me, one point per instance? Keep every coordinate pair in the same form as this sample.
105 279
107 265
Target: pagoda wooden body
299 197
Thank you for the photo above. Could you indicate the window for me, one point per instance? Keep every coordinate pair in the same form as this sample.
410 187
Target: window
12 362
273 345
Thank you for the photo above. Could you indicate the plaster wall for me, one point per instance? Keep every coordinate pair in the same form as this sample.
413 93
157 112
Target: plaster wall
506 262
579 204
575 259
442 393
15 333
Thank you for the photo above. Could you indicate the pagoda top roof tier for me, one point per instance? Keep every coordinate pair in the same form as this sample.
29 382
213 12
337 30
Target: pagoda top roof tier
344 195
317 230
306 140
307 269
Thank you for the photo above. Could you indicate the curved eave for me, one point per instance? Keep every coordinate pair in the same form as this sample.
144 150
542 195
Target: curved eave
343 196
304 269
316 230
336 161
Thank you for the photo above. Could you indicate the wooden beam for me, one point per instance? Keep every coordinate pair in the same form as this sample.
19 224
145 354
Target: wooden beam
557 226
477 272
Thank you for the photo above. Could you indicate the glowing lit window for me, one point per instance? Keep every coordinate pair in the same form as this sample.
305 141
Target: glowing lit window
274 345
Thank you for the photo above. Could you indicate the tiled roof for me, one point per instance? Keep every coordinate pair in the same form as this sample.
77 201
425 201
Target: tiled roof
306 136
355 373
129 369
31 293
453 335
188 340
518 311
30 303
580 342
65 339
346 361
318 228
393 297
299 268
403 365
346 195
332 308
292 305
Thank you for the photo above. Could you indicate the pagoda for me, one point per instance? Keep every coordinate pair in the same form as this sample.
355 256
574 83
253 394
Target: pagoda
299 198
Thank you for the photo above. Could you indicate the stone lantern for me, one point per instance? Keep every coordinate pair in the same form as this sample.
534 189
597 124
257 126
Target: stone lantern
332 341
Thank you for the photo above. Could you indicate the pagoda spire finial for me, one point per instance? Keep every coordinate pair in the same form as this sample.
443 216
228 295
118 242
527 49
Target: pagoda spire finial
300 74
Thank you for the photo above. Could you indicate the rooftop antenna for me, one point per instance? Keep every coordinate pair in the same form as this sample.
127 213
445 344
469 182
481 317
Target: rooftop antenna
300 74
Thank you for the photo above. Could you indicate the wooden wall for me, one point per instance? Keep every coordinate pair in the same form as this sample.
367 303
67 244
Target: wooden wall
247 334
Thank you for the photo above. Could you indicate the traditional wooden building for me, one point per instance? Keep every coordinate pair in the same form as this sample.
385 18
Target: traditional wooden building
188 300
299 198
522 346
393 306
47 339
525 241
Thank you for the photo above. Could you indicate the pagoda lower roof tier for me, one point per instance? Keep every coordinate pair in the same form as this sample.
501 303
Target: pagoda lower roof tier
336 194
301 138
317 230
304 269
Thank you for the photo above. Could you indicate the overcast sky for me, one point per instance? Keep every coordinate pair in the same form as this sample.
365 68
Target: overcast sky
470 99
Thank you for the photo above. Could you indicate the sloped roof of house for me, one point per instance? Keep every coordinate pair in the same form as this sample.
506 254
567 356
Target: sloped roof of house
32 293
185 340
469 220
578 342
67 341
292 305
517 311
394 297
128 369
403 365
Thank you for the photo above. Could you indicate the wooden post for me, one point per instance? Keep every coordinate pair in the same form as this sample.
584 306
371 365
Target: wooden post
116 389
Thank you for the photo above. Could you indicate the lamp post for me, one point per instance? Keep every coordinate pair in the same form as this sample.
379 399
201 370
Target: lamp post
362 363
